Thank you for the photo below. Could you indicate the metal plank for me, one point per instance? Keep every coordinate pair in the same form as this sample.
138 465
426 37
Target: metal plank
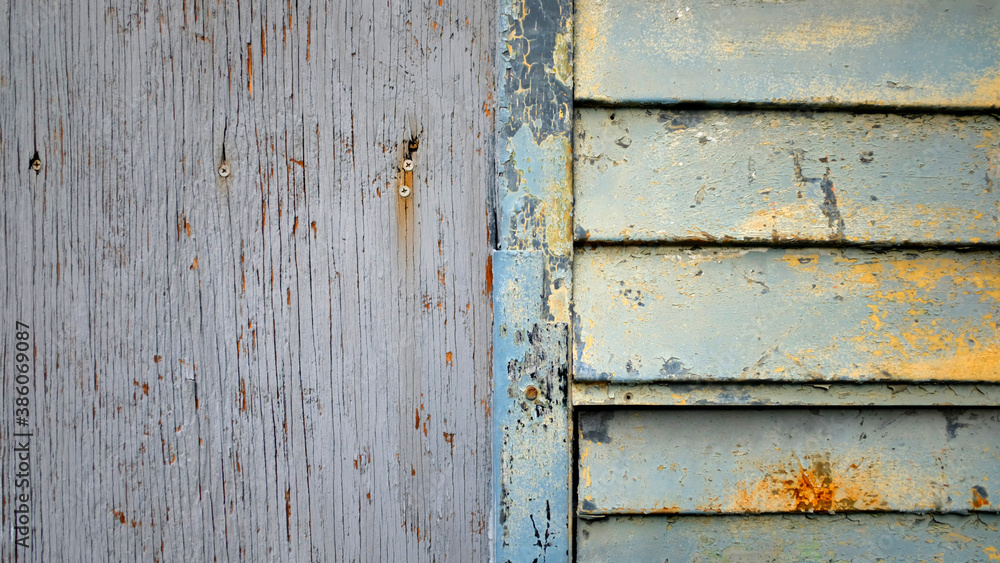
645 175
727 461
602 394
845 53
533 230
790 538
532 447
672 314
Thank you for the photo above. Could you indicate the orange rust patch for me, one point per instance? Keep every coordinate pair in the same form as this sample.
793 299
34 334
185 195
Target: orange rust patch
980 497
489 275
250 69
309 35
447 358
816 488
194 265
157 359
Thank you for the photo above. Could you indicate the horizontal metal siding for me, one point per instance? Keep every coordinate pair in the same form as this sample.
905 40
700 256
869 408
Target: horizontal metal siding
770 461
793 538
704 176
908 53
771 314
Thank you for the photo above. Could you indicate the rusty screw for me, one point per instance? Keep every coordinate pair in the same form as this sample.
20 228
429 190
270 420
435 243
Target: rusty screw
408 165
224 169
36 164
531 393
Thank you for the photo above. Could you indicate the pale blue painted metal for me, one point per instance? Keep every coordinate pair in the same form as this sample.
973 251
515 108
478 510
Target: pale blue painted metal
770 314
531 445
762 176
735 461
603 394
532 280
794 538
907 53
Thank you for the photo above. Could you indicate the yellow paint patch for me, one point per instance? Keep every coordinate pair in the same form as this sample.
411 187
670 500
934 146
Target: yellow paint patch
963 365
559 304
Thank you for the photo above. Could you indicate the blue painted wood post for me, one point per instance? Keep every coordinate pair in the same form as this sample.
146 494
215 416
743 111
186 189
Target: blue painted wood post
532 271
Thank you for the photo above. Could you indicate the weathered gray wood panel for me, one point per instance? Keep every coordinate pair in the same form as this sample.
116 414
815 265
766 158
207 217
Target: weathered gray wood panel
768 461
291 363
907 53
673 314
896 538
644 175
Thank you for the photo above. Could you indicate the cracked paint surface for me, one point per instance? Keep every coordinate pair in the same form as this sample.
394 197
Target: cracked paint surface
847 53
776 461
780 176
772 314
532 280
791 538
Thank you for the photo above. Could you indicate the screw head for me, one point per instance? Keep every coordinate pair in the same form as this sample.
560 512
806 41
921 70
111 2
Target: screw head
36 164
531 393
405 191
408 165
224 170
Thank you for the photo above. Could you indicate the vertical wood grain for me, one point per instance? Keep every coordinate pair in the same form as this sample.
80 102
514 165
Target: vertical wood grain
290 363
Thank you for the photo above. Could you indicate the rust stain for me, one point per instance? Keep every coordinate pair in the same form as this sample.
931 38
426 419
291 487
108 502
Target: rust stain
489 275
980 497
157 359
309 35
119 515
450 438
819 487
243 394
288 513
295 226
250 69
194 265
448 358
300 163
